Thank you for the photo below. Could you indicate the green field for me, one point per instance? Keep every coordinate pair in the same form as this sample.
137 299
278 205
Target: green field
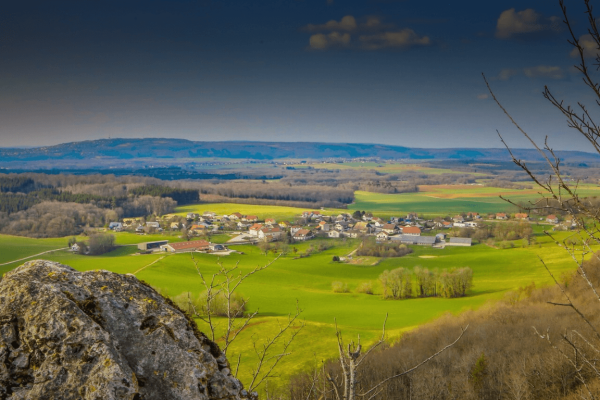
308 280
448 201
275 291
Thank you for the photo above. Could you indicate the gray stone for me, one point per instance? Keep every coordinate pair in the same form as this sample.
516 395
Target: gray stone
97 335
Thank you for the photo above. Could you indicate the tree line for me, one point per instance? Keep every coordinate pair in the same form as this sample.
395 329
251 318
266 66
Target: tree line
369 247
402 283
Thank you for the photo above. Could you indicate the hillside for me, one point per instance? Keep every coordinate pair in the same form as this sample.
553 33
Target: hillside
120 152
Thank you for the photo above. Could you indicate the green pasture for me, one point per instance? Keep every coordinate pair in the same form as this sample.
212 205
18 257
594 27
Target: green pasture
278 212
384 167
275 291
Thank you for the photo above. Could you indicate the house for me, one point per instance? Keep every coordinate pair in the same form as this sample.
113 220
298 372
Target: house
174 226
181 247
458 218
242 225
466 224
377 222
197 229
334 234
411 230
139 229
383 236
501 216
153 224
457 241
324 226
128 222
473 215
115 226
270 221
522 216
217 247
235 216
250 218
295 229
390 228
341 226
254 229
191 216
75 248
270 233
284 224
552 219
362 226
303 234
209 214
352 233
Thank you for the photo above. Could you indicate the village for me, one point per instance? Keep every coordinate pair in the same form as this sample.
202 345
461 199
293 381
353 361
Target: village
196 229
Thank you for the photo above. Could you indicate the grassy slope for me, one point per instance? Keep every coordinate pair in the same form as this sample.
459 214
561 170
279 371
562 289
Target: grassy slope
308 280
275 291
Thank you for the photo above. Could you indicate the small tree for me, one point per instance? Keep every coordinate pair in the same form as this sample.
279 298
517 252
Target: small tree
101 243
220 298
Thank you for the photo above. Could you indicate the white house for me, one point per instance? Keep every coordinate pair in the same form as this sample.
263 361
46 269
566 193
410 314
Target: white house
334 234
303 234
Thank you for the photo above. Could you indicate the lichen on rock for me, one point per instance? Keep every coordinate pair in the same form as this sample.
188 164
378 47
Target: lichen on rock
67 335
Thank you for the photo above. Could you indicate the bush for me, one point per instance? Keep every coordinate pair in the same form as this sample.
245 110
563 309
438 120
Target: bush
191 304
101 243
336 258
339 287
365 287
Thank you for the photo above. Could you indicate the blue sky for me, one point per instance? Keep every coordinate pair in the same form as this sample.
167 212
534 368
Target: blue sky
380 71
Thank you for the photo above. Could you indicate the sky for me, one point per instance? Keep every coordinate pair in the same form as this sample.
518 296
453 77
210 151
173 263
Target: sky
399 72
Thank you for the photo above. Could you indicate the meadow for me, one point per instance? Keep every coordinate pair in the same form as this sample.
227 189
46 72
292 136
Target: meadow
307 281
275 291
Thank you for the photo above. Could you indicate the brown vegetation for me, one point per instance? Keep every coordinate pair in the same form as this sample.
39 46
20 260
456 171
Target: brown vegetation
500 357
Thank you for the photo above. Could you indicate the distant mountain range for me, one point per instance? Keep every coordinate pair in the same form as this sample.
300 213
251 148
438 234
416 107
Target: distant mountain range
106 152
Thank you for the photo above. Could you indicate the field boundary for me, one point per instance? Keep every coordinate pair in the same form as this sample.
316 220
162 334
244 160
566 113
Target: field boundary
35 255
146 266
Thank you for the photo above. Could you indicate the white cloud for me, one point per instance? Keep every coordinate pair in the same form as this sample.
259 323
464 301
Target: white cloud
347 23
506 74
399 39
544 71
512 24
539 71
322 41
590 47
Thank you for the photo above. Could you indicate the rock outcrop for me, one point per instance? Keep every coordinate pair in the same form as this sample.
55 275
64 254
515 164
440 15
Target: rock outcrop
66 335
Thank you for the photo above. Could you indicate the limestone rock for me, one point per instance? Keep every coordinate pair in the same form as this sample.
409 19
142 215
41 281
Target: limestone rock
67 335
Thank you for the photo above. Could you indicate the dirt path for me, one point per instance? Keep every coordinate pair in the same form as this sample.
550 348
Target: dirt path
35 255
153 262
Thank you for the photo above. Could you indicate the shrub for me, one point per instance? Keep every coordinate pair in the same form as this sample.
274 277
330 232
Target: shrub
365 287
218 305
336 258
339 287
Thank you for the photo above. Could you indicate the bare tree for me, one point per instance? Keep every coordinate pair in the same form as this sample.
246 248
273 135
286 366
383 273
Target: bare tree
351 358
224 285
560 194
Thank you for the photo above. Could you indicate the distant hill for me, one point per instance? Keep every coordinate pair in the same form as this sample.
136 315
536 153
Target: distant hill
121 151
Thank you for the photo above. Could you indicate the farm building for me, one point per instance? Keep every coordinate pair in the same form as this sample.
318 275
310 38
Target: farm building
457 241
195 245
411 230
152 246
412 239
